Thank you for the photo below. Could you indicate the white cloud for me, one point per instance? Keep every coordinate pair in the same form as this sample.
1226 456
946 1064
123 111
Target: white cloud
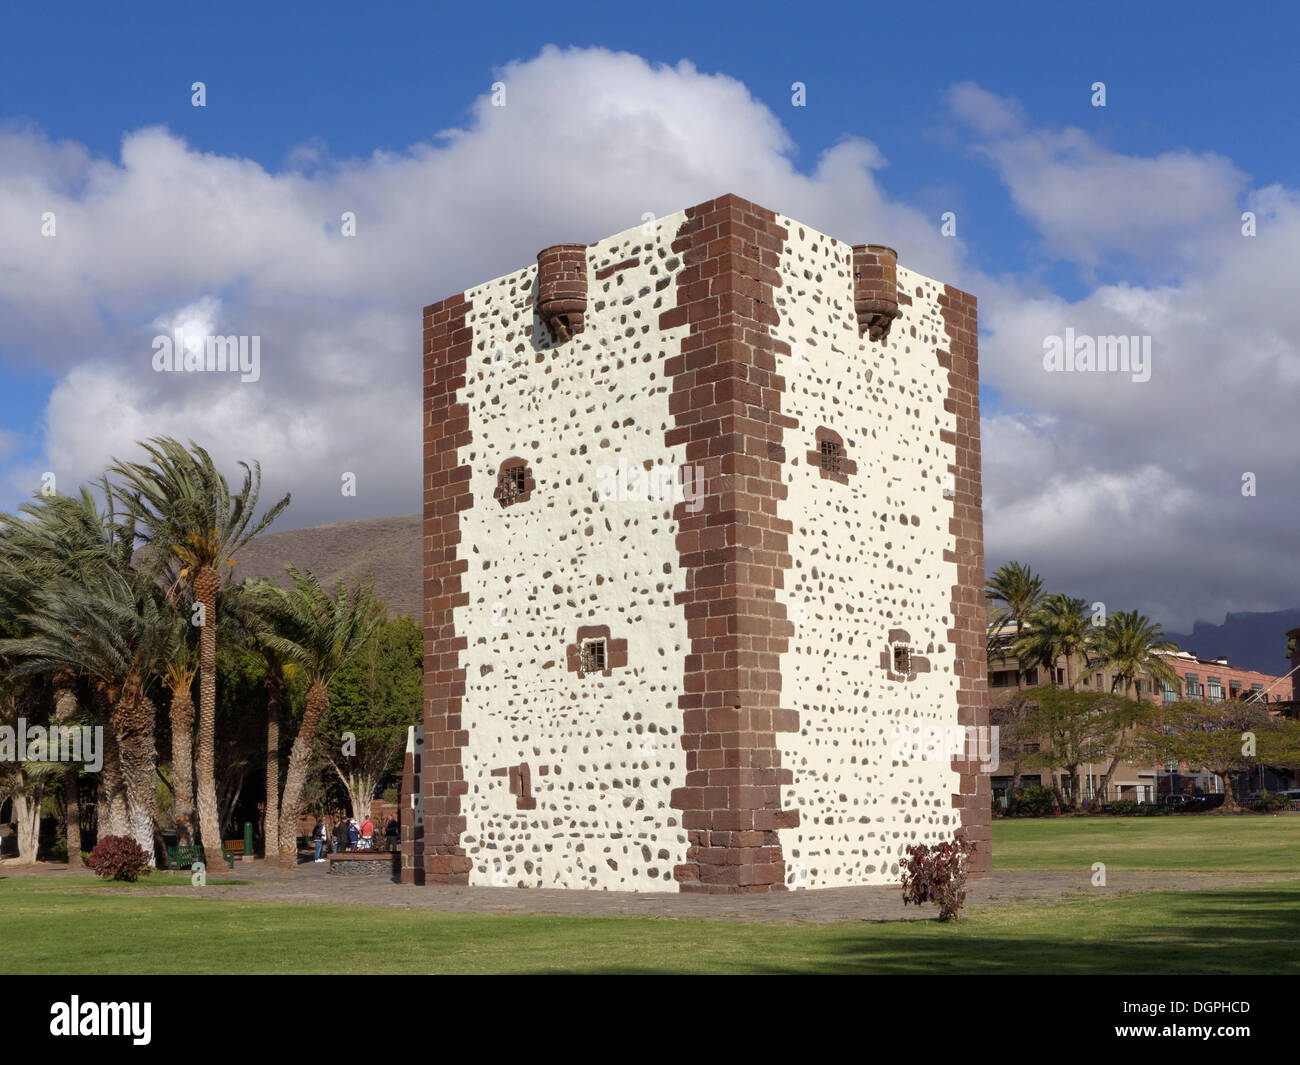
1129 490
170 236
1092 205
1132 491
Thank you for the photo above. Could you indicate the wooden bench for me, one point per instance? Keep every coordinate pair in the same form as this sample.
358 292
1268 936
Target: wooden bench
182 857
232 849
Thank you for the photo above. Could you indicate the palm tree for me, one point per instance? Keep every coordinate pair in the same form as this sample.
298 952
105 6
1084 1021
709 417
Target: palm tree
1018 590
178 675
244 610
318 633
195 524
24 782
1058 628
1129 645
61 537
116 633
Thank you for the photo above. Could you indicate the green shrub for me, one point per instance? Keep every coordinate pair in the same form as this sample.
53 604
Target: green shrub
1129 808
1271 802
1034 800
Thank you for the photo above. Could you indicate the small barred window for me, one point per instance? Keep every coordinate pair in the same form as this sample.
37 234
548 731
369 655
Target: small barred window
902 660
511 484
830 456
593 656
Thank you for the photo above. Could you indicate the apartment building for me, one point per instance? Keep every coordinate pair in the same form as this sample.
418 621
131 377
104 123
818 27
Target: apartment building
1198 678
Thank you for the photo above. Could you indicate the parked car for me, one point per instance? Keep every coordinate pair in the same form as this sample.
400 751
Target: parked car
1292 795
1177 800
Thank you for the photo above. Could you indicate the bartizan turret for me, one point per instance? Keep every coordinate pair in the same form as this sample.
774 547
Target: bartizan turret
562 289
875 289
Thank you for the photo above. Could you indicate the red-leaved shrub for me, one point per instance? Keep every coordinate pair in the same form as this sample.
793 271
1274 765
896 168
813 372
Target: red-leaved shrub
937 874
118 858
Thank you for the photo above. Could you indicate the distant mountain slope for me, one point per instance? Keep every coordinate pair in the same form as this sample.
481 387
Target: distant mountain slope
1250 640
388 547
391 549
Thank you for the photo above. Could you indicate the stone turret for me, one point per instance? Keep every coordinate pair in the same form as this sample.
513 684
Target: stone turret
562 289
875 289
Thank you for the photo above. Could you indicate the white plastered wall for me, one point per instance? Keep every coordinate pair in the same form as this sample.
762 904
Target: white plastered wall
867 558
604 752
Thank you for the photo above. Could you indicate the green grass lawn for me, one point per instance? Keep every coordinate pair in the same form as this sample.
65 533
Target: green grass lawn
1179 842
76 924
79 882
1250 929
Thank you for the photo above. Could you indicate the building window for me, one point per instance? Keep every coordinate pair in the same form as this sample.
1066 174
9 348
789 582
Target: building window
1060 676
1169 693
902 660
832 456
1193 686
514 482
593 656
1234 689
595 650
1216 689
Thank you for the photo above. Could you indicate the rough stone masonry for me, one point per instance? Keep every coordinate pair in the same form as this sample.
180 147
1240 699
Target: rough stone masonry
700 690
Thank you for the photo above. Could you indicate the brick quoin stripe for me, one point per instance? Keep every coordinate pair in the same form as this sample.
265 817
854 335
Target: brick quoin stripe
969 632
447 342
726 401
412 830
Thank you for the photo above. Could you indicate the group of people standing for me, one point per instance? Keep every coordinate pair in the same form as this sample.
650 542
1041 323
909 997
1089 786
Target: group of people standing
348 835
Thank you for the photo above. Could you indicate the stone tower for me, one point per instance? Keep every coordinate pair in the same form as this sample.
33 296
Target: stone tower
703 556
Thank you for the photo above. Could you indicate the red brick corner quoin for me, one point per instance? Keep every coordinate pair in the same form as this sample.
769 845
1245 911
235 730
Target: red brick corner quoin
968 634
447 341
725 401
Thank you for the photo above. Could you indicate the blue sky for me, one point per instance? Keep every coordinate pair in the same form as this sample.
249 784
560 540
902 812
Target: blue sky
982 110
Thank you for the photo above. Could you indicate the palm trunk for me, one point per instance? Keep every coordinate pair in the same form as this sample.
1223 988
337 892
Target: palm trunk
27 812
295 778
111 816
133 723
271 821
65 706
72 815
182 720
206 583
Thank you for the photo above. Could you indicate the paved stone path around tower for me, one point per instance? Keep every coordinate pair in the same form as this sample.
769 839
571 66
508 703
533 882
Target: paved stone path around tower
312 884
